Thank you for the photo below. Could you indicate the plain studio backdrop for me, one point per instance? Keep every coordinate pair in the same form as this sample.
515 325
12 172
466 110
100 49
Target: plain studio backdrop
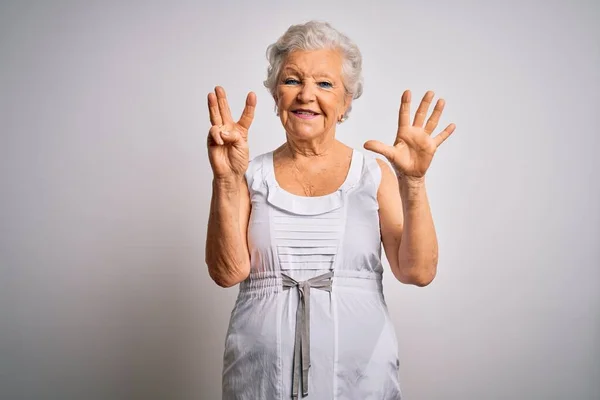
105 183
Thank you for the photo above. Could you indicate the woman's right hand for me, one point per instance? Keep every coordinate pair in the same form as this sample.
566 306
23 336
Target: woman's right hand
228 140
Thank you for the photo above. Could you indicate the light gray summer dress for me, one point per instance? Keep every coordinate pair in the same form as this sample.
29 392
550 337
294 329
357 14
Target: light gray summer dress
310 322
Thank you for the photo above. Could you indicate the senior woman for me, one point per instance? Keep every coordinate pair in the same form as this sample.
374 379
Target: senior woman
301 228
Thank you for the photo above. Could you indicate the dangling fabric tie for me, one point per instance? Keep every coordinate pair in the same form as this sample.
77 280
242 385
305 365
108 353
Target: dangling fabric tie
302 338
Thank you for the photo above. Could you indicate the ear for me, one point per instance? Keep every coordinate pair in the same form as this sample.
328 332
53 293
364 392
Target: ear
275 105
347 102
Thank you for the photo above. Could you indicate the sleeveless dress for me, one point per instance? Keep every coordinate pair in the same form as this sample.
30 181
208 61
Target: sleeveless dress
311 322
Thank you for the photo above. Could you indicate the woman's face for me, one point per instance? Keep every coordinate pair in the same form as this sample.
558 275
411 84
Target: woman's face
310 93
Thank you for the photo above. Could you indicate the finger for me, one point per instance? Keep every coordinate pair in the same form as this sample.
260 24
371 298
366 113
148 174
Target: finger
404 115
213 110
248 113
381 148
223 105
423 109
445 134
214 134
432 122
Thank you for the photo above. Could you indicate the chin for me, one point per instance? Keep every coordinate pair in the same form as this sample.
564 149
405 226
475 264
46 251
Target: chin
306 132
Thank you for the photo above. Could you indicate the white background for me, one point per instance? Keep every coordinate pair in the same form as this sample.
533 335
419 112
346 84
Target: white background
105 189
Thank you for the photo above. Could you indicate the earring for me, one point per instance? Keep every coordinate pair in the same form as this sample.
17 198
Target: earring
342 119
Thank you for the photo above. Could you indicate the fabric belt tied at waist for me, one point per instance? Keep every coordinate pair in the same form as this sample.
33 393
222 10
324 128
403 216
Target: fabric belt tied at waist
302 338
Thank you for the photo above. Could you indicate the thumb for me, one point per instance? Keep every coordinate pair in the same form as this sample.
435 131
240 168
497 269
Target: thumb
381 148
231 137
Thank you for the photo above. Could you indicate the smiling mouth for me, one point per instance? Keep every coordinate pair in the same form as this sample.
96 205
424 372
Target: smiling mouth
305 114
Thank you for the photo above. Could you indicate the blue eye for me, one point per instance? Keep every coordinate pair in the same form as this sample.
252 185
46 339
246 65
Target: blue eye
325 85
291 81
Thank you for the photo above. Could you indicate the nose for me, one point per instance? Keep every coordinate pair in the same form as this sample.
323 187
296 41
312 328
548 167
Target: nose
306 93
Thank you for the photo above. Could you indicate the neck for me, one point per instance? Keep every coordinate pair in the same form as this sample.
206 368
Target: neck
298 149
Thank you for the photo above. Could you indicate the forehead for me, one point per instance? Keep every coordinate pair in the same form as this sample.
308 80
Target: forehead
314 62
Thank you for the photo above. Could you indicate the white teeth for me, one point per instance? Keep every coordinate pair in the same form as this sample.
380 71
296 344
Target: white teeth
305 112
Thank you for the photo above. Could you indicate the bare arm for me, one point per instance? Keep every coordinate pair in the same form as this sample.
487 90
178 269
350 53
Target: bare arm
408 234
407 229
227 253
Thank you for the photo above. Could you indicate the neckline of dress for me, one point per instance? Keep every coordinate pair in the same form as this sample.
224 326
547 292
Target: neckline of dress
351 177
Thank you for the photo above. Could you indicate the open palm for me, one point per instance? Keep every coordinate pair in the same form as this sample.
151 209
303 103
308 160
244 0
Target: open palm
414 146
228 140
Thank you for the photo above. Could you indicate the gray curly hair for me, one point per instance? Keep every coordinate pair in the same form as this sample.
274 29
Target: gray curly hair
315 35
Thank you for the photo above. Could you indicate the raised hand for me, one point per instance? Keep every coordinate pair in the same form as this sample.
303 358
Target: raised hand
414 146
227 139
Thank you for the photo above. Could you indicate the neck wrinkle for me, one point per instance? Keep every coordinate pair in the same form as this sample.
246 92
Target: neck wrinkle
298 152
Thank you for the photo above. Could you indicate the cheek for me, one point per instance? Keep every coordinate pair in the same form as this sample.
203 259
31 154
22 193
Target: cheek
284 95
337 100
279 95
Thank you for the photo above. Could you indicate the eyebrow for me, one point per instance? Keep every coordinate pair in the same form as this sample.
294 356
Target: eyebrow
292 70
288 69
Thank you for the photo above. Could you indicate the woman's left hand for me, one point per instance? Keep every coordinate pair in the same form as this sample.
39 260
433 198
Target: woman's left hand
414 146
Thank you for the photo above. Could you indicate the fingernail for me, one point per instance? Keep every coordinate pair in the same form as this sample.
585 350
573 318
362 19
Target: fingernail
224 133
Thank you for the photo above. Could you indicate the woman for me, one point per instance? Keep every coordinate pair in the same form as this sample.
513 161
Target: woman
301 228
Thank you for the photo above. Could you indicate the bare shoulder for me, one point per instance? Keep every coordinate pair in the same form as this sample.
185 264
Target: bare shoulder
388 197
389 182
391 218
